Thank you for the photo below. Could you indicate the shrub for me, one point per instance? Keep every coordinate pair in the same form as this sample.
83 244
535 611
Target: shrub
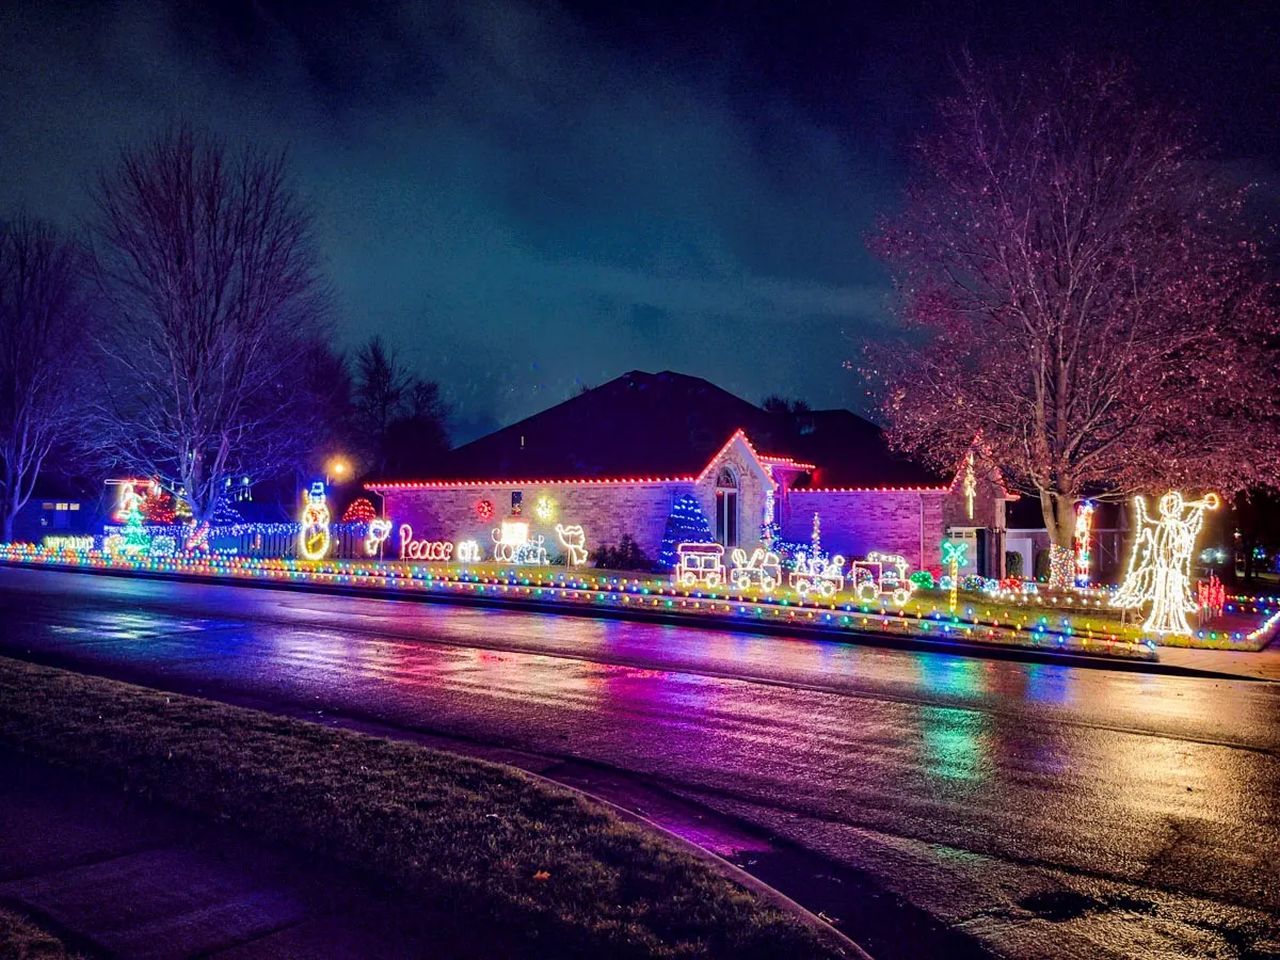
1042 565
923 580
627 555
1012 563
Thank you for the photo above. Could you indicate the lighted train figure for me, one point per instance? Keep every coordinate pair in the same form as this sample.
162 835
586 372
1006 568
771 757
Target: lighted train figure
763 570
882 575
822 576
699 563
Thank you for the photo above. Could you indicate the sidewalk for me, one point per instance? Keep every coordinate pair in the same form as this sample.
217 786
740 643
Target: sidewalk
121 877
1256 665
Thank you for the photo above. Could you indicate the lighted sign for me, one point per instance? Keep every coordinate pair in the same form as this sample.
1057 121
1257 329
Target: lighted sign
438 551
58 543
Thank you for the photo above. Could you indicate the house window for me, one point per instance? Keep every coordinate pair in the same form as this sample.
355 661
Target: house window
727 508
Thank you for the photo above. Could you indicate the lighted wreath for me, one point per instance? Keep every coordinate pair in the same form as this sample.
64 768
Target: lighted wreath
484 509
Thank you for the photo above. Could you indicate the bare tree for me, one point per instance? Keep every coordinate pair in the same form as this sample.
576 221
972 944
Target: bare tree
215 301
42 312
401 417
1078 286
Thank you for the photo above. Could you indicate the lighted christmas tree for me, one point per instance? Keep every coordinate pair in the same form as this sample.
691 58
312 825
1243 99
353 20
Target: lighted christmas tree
157 506
135 538
685 524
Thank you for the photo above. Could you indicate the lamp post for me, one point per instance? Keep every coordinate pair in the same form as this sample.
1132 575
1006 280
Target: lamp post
336 470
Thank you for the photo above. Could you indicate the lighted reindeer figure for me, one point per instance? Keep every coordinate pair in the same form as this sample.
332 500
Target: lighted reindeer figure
574 541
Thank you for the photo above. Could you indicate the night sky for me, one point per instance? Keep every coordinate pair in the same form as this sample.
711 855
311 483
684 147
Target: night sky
526 198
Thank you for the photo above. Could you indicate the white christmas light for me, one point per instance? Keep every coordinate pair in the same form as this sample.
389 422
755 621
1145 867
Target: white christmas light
763 570
60 543
970 483
818 574
699 563
574 541
437 551
887 575
1159 568
544 508
379 530
468 551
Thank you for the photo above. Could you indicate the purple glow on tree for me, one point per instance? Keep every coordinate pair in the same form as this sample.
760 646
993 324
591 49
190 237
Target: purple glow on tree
1077 285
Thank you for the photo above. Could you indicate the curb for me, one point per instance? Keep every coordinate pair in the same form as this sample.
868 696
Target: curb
824 930
705 621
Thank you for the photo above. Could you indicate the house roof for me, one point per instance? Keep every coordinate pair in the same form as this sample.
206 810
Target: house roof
669 426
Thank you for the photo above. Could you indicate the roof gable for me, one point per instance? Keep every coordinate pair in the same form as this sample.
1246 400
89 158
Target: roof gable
670 426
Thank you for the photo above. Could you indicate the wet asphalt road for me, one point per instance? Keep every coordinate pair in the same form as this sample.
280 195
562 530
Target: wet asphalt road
1046 810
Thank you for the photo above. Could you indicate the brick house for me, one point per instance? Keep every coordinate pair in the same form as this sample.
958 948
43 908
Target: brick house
615 459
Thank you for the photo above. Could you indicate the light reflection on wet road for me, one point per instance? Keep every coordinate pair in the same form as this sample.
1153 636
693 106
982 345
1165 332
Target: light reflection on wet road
989 792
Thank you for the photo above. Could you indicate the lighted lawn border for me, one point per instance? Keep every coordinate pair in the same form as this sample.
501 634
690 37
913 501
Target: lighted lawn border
603 593
22 939
480 839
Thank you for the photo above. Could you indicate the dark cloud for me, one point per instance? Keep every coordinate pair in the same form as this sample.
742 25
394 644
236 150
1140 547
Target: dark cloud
527 198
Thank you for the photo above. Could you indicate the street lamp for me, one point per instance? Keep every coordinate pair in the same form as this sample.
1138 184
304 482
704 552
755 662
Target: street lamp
337 470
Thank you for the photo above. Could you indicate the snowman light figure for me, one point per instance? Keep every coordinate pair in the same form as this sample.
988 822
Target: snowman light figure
314 540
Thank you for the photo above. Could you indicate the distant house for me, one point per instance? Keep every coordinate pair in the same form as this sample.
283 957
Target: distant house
1108 534
614 460
56 509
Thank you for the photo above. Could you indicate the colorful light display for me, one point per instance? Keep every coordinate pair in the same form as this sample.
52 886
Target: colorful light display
313 541
360 510
888 577
606 592
1084 534
484 509
574 541
762 570
1211 598
1159 570
955 554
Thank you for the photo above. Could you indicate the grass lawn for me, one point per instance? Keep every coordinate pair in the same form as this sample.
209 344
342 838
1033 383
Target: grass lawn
482 840
20 939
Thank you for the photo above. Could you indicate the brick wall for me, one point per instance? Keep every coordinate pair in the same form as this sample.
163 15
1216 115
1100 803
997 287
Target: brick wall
606 512
855 523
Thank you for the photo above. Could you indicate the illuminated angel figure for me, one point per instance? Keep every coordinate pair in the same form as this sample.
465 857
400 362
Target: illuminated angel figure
1160 562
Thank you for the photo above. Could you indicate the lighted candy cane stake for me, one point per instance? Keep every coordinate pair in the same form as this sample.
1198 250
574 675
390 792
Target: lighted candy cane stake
954 553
